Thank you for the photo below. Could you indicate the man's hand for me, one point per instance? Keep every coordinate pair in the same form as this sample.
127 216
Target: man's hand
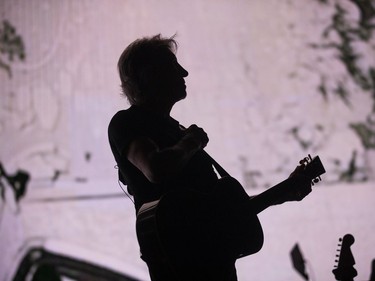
159 165
196 135
301 185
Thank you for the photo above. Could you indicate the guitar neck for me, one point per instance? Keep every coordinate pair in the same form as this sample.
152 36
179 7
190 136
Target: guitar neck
287 190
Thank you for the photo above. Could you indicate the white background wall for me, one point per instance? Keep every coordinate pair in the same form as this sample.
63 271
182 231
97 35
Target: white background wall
253 78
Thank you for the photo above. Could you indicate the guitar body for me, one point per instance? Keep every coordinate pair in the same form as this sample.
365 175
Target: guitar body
186 227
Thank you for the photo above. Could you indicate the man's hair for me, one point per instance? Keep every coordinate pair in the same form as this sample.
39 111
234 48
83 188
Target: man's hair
136 64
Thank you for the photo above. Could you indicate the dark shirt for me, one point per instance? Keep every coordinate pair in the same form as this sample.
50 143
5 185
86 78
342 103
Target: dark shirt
130 124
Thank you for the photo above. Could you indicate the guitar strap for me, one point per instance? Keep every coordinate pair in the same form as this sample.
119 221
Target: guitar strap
217 166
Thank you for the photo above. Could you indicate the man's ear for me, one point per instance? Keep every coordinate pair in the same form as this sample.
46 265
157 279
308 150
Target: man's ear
146 77
148 73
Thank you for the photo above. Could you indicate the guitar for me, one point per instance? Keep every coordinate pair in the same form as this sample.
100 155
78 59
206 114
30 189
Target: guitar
188 227
344 270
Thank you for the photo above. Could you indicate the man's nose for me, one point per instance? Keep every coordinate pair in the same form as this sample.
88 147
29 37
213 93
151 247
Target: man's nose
183 71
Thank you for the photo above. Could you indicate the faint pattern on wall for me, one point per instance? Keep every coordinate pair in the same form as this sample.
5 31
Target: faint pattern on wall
56 107
339 55
11 46
349 37
36 103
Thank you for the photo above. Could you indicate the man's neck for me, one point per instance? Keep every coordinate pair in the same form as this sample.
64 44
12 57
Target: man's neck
160 109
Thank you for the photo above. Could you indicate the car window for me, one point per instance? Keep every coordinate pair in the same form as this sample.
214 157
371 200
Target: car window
39 265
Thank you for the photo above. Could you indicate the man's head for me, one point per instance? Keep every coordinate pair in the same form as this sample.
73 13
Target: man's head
148 66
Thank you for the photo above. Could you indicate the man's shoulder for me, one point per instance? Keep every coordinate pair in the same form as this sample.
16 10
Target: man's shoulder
124 115
128 118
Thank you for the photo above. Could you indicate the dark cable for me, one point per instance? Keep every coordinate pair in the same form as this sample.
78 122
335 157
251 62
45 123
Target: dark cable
127 194
119 183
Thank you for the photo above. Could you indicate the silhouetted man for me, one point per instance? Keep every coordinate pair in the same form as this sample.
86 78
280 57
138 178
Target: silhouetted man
153 153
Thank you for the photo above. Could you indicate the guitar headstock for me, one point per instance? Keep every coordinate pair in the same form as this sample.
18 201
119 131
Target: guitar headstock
344 269
313 168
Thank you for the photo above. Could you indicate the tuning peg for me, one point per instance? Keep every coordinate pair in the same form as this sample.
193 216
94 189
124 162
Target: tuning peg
305 160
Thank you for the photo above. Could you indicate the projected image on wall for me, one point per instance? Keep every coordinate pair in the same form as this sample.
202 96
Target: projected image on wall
266 86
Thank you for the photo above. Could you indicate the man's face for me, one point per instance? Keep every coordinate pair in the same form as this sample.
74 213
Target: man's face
170 77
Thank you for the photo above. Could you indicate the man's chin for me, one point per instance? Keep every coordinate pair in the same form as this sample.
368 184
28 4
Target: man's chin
184 95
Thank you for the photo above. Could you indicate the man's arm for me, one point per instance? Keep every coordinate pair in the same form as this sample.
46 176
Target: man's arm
294 188
159 165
